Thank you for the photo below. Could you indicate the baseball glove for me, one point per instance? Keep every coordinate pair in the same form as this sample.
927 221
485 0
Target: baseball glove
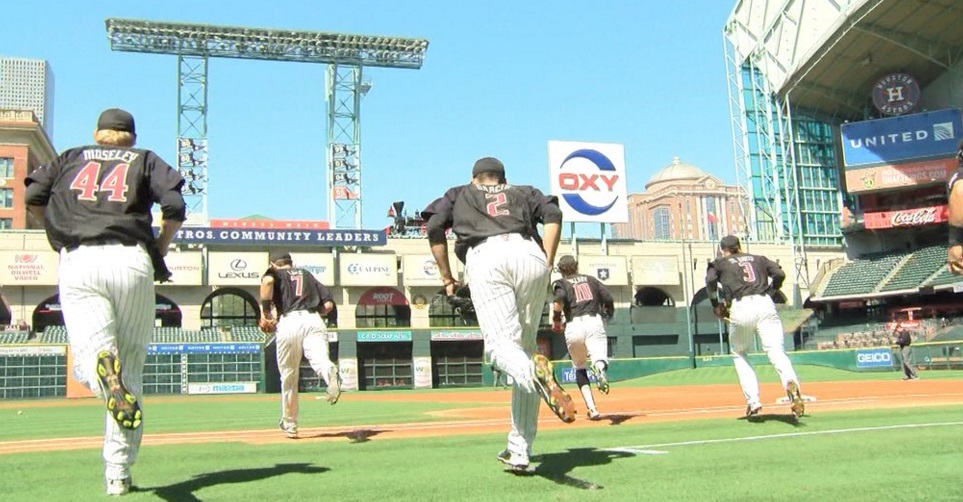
161 273
721 311
268 326
462 305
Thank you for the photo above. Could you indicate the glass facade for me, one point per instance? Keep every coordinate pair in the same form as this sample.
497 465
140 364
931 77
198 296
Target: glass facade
812 189
6 167
662 223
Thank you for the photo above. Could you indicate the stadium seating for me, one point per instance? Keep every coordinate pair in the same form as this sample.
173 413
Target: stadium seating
7 337
922 264
247 334
53 334
863 275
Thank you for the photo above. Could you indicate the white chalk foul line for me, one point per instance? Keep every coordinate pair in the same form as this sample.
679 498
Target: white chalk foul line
785 435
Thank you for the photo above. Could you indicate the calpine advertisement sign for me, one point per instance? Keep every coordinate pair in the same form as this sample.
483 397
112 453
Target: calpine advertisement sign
898 140
589 180
906 217
368 269
236 269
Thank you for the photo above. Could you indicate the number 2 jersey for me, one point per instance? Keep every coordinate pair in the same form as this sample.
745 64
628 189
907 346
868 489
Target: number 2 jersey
744 275
581 295
297 289
102 193
477 212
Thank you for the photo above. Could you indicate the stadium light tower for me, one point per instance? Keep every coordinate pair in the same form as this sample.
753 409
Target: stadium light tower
346 55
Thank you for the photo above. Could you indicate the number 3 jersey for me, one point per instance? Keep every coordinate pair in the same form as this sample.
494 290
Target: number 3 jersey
581 295
744 275
102 193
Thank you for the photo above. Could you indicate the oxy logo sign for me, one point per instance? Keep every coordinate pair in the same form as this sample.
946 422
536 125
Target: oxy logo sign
589 179
875 358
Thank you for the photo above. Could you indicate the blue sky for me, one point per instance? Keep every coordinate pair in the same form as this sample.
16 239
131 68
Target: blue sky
501 78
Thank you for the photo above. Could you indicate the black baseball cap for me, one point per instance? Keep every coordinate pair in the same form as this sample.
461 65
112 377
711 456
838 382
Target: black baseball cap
115 119
276 256
488 165
730 242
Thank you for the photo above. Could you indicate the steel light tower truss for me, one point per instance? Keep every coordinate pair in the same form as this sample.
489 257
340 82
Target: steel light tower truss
346 55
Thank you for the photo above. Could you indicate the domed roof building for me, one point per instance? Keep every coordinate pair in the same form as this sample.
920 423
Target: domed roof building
681 201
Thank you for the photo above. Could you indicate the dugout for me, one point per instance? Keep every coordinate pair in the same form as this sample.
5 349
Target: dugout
457 358
385 359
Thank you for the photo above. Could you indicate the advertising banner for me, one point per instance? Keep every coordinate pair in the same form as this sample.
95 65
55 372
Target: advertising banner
589 180
655 271
384 336
898 176
357 269
348 367
420 270
874 358
33 350
186 269
271 224
286 237
906 217
236 269
455 336
611 270
28 268
204 348
321 266
422 378
222 388
901 139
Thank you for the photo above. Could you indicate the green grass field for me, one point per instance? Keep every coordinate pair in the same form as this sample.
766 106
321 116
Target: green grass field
903 454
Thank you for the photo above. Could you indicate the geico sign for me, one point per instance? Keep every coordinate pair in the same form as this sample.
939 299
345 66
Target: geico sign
874 357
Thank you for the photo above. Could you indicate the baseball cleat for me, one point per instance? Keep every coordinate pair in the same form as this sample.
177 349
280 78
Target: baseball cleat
753 410
557 399
121 404
517 466
291 433
798 407
601 379
118 487
334 385
594 415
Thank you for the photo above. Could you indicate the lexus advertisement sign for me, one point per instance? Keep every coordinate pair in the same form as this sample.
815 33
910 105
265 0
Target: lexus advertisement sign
236 269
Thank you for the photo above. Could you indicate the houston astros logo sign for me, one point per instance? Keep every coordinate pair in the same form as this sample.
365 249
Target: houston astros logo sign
589 178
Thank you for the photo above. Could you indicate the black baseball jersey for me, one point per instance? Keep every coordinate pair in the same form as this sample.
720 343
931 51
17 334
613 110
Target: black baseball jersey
476 212
297 289
581 295
103 193
956 176
744 274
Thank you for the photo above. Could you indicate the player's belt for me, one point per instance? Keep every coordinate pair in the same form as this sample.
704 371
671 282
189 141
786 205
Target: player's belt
743 297
100 242
503 238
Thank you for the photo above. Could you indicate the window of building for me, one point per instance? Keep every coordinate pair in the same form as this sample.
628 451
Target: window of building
6 223
229 307
6 197
6 167
661 222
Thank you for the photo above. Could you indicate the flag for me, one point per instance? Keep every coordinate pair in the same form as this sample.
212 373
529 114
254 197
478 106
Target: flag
712 217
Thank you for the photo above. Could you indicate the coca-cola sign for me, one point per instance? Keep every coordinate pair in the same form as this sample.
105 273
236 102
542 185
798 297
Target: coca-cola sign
906 217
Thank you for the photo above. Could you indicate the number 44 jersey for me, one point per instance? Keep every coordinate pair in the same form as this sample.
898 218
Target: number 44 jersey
103 193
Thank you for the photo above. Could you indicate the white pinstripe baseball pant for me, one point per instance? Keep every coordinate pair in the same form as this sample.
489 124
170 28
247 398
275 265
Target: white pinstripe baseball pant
509 276
299 333
750 316
107 298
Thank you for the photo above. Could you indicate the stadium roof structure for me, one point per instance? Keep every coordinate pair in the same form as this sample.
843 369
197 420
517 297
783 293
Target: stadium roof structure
826 55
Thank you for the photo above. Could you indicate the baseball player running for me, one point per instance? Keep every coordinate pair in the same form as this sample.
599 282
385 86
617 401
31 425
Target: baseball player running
300 302
746 279
583 299
507 265
96 201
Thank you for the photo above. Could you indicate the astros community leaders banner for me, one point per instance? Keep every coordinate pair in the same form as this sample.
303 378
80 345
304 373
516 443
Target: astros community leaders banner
299 237
589 180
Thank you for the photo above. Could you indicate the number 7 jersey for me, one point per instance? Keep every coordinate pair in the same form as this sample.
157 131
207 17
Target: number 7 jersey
100 193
